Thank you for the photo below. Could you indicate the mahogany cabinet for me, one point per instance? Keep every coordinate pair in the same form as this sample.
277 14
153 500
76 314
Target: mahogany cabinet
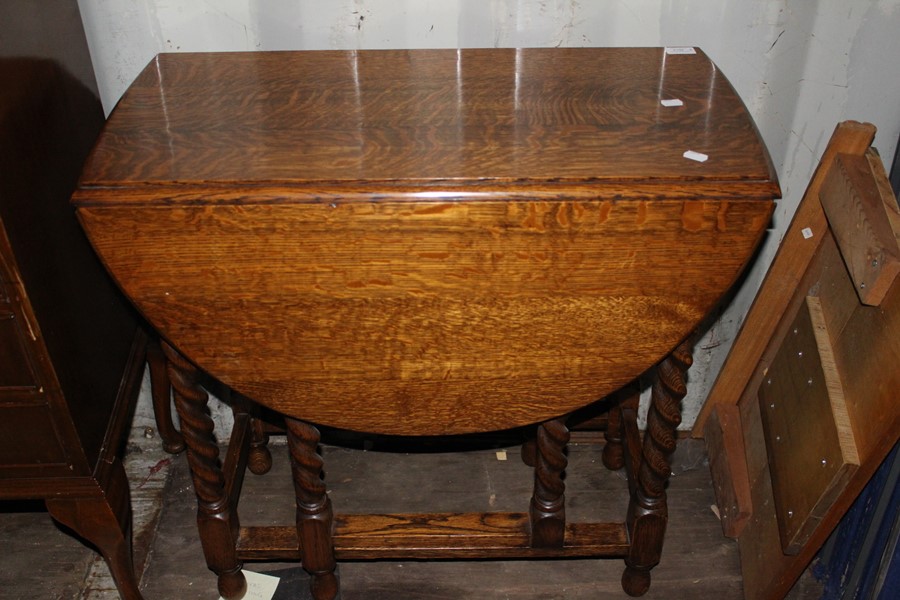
71 351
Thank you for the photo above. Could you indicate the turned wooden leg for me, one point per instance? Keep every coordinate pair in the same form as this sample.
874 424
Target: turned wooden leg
647 511
217 520
160 392
259 460
529 452
614 450
105 521
315 521
627 399
548 504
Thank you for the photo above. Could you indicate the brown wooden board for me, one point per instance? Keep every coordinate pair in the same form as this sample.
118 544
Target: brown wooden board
725 444
860 214
810 445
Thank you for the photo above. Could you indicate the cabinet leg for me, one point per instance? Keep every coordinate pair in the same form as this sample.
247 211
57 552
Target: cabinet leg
548 503
315 521
105 521
217 520
648 511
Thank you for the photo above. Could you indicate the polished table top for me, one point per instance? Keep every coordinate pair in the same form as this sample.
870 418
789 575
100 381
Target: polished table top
427 241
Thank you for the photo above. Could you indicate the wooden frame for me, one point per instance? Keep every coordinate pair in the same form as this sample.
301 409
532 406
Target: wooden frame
819 259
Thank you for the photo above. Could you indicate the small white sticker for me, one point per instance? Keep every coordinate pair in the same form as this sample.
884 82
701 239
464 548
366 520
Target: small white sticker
501 454
680 50
698 156
807 233
672 102
259 586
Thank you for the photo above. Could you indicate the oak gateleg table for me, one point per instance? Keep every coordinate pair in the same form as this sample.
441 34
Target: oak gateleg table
427 242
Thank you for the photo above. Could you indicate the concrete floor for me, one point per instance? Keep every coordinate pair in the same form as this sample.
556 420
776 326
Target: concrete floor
42 562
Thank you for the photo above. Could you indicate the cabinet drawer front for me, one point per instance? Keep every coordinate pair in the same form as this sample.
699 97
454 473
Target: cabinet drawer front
28 440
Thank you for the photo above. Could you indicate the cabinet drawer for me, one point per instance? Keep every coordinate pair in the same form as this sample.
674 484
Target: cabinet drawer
28 439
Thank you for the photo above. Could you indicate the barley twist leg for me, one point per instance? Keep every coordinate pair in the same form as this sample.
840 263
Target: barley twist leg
548 507
648 511
315 521
217 520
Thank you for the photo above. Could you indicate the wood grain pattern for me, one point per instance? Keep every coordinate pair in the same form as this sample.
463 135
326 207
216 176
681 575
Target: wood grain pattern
860 213
420 317
427 243
438 536
447 241
811 449
427 115
724 437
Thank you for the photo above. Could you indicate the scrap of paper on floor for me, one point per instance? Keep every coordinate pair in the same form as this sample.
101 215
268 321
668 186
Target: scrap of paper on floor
259 586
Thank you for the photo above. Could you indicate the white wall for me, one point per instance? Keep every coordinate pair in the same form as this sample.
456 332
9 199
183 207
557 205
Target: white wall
800 66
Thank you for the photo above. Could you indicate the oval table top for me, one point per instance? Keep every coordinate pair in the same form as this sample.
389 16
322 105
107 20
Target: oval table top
427 241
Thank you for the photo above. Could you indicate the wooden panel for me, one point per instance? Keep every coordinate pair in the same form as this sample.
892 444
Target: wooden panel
860 213
428 318
728 465
808 437
440 535
28 440
867 355
834 288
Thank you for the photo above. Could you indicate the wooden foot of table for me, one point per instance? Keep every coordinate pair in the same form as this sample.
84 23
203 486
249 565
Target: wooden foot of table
648 511
315 521
216 518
